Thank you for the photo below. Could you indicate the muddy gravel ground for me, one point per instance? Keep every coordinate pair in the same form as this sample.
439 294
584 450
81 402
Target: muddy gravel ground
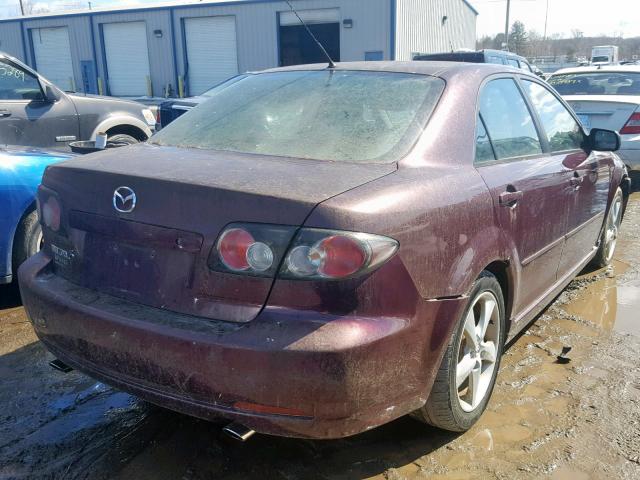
579 420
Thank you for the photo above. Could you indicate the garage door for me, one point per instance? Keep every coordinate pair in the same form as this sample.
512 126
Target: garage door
125 46
53 55
211 51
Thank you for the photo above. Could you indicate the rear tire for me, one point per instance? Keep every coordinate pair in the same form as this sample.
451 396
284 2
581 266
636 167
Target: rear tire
27 240
610 229
123 138
457 401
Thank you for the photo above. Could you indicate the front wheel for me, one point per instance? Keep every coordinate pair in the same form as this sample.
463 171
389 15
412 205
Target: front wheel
467 375
123 138
609 235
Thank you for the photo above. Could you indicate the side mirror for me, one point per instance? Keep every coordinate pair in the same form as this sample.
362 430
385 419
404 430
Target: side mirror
50 94
604 140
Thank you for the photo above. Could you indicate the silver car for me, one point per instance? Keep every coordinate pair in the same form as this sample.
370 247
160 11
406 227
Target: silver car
606 97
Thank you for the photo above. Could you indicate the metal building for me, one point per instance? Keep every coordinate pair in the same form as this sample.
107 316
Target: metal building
184 49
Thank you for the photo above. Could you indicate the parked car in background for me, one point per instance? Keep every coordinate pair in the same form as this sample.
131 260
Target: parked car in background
606 97
34 112
171 109
499 57
21 172
317 251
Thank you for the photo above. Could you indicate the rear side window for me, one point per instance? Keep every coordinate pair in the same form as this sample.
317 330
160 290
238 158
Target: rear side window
513 63
494 59
508 121
563 132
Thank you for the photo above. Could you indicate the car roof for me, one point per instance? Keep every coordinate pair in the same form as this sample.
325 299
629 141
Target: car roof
422 67
600 69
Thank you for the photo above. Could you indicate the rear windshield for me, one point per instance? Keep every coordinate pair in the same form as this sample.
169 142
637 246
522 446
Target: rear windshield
323 115
597 83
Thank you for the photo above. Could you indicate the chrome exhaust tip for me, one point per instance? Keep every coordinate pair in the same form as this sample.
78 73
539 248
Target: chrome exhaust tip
60 366
238 432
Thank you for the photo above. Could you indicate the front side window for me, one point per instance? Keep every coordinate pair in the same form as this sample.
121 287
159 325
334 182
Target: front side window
508 121
563 132
344 116
16 84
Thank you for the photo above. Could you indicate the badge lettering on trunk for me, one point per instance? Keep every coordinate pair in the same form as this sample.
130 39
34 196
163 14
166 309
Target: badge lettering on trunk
124 200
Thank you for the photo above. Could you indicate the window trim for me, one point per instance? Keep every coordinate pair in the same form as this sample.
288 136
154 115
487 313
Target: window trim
20 101
522 78
543 140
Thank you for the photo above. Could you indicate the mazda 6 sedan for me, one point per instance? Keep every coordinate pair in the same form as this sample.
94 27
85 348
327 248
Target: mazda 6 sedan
317 251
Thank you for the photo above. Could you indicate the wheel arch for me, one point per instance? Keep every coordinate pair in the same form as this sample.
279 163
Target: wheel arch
30 207
123 124
501 270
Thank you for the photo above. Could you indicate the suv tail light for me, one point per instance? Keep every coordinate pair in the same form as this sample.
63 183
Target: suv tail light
632 126
260 250
51 213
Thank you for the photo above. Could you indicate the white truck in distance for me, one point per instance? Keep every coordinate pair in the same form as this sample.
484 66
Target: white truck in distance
604 55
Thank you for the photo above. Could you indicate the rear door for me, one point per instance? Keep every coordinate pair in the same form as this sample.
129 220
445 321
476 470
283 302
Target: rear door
589 174
26 118
528 186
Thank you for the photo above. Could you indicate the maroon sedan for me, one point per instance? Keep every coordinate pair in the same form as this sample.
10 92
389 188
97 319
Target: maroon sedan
316 251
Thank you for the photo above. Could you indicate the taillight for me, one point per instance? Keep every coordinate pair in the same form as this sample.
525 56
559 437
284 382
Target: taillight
332 255
632 126
51 213
259 250
251 248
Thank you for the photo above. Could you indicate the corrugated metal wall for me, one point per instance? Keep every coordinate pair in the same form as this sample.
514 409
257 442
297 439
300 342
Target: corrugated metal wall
420 27
10 39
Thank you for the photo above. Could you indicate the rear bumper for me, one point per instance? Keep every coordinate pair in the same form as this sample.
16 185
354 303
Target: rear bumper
289 373
630 151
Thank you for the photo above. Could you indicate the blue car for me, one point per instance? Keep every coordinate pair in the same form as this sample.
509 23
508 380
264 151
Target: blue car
21 172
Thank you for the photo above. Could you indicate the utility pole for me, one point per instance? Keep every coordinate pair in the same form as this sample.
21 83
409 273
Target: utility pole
506 27
21 8
546 19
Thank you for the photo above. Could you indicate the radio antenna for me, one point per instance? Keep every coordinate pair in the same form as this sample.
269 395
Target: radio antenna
331 64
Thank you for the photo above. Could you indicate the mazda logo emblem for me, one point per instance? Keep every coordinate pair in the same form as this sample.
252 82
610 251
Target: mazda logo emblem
124 200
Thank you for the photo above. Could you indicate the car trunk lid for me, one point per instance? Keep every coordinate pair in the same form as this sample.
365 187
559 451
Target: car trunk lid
157 254
603 111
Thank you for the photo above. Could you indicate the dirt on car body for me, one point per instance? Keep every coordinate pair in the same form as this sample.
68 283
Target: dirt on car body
573 420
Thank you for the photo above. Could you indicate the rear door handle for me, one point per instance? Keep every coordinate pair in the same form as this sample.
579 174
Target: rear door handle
510 198
5 113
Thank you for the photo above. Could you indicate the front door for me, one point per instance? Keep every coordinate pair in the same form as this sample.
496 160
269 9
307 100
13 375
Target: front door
588 175
528 186
26 117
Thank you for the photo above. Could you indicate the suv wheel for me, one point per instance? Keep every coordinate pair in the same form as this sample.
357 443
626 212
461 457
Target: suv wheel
467 375
123 138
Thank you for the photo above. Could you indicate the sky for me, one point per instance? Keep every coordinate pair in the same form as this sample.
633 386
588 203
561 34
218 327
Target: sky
592 17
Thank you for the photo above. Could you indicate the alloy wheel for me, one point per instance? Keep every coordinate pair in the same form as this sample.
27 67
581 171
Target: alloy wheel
477 351
612 227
